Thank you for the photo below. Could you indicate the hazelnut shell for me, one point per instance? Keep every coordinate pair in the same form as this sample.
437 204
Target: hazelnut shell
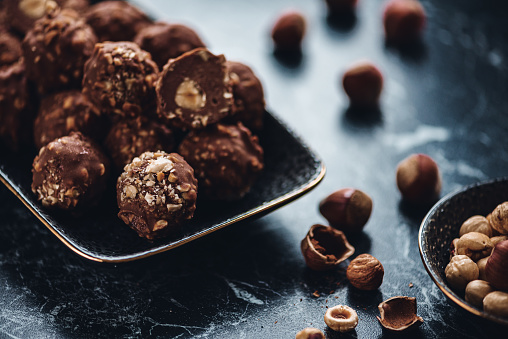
496 269
341 318
399 313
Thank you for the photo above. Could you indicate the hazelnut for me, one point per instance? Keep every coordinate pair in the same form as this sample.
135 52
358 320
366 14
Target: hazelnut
418 179
477 223
453 247
460 271
347 209
324 248
341 6
475 245
497 239
496 303
365 272
476 290
481 267
399 313
403 20
310 333
189 95
496 269
499 218
341 318
363 83
288 31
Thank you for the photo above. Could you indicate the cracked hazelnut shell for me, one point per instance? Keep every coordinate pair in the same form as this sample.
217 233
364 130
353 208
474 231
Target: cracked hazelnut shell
399 313
288 31
365 272
403 20
341 318
418 179
496 269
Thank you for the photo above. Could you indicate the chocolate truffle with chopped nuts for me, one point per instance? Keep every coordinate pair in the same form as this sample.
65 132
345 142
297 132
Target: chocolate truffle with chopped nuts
10 48
65 112
167 41
119 78
70 173
116 20
156 193
249 100
130 137
227 160
56 49
194 90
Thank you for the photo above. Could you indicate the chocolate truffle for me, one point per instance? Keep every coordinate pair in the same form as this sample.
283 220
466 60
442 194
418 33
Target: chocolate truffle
10 48
156 193
116 20
167 41
249 100
130 137
65 112
194 90
70 173
56 49
227 160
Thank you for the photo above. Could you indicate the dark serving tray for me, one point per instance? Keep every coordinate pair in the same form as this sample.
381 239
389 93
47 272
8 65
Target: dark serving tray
291 170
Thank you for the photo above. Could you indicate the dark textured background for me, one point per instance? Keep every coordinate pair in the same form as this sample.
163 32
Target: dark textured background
447 98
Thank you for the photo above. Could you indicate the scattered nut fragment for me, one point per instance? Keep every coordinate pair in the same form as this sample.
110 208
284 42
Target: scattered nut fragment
310 333
399 313
499 218
418 179
476 290
460 271
496 303
288 31
363 83
403 20
496 269
476 223
365 272
475 245
341 318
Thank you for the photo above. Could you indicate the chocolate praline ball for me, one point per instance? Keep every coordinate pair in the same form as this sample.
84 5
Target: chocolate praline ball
116 20
10 48
194 90
70 173
156 193
167 41
56 49
65 112
119 78
226 158
130 137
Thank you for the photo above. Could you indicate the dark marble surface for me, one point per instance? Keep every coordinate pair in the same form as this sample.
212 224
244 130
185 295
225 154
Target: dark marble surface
446 98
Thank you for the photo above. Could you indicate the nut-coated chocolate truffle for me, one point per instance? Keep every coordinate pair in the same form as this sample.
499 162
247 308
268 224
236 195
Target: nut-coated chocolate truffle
10 48
227 160
70 173
116 20
167 41
194 90
156 193
65 112
56 49
119 78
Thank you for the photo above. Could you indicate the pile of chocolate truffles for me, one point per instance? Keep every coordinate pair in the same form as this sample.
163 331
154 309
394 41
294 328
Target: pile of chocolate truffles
110 95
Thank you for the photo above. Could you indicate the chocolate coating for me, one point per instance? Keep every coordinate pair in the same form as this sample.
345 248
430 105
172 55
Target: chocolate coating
194 91
116 20
167 41
10 48
249 100
56 49
130 137
119 78
156 193
65 112
226 159
70 173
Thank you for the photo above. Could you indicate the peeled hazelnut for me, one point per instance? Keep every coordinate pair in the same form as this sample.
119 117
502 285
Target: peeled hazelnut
288 31
403 20
496 303
475 245
324 248
365 272
310 333
499 218
481 267
341 318
496 240
363 83
496 269
189 95
347 209
399 314
476 290
341 6
477 223
460 271
418 179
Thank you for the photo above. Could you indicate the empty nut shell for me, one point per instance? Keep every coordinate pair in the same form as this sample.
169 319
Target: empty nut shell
310 333
399 314
341 318
365 272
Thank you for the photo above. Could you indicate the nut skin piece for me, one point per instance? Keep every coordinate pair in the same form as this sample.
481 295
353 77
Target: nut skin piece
496 303
481 267
324 248
460 271
499 218
403 20
365 272
496 269
476 290
418 179
476 223
288 31
341 6
475 245
363 83
310 333
347 209
341 318
399 314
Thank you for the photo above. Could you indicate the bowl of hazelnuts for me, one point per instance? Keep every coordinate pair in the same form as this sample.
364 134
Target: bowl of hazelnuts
463 243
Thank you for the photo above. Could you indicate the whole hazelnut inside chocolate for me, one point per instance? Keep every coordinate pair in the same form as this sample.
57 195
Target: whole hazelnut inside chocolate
418 179
363 83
